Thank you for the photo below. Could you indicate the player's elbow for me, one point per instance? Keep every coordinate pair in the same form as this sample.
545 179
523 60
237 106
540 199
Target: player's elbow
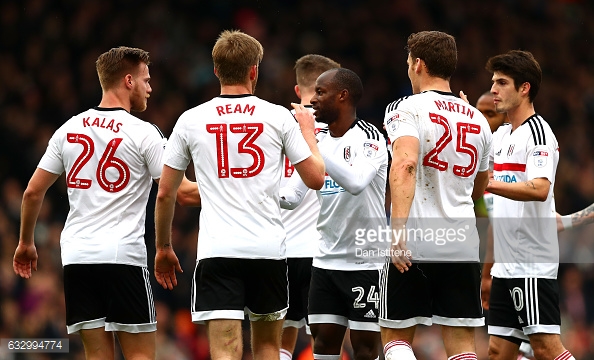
187 200
314 182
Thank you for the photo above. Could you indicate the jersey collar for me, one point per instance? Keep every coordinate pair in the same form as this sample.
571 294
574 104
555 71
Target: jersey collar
439 92
234 96
109 109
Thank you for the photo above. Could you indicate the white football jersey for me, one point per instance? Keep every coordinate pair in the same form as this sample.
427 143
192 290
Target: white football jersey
300 223
347 222
454 144
110 158
237 144
525 232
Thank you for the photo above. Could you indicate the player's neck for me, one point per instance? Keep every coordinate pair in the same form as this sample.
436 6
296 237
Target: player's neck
519 114
243 89
435 83
342 124
305 97
115 99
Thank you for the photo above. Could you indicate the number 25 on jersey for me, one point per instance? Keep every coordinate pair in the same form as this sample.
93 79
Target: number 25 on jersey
462 146
108 160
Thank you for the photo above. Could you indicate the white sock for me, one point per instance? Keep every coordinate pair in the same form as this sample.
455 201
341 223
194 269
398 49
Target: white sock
464 356
399 350
326 357
285 355
566 355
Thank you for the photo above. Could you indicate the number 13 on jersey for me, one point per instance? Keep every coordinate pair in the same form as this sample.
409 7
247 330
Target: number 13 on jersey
245 146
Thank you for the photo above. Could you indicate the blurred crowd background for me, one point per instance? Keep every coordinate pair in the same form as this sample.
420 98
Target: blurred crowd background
47 74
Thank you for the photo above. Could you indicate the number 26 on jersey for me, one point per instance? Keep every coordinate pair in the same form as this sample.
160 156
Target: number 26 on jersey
108 160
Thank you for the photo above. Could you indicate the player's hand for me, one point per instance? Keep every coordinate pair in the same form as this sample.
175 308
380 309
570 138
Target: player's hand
304 117
166 264
486 291
464 97
399 252
24 260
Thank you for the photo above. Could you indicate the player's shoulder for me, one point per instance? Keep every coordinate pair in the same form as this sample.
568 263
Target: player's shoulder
538 131
368 130
394 105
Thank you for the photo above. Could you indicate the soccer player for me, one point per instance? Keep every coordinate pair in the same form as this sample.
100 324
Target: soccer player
524 301
440 148
110 157
237 142
300 224
345 274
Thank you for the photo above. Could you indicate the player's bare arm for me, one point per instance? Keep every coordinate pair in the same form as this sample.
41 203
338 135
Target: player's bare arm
403 179
188 193
579 218
25 256
312 169
166 262
531 190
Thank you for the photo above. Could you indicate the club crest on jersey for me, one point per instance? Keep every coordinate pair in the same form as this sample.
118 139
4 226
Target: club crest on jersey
370 149
540 158
510 151
347 153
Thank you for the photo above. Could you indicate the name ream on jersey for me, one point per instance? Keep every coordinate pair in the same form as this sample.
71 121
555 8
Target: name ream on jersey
101 124
454 107
331 187
506 178
229 109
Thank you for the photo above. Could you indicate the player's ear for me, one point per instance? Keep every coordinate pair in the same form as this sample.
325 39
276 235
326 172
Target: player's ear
216 72
298 91
128 81
525 88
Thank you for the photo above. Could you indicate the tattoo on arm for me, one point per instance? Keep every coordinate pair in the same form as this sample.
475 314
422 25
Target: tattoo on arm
530 184
583 217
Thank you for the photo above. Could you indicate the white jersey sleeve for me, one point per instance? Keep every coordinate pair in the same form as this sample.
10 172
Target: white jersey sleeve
356 176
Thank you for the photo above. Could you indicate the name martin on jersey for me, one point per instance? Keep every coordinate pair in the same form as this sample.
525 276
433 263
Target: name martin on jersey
454 107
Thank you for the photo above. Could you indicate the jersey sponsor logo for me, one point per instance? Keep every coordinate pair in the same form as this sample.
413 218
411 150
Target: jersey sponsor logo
347 153
331 187
540 153
506 178
510 150
370 149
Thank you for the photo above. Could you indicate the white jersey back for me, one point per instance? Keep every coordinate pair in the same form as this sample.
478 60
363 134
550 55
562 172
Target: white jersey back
110 158
525 232
300 223
454 144
237 144
343 215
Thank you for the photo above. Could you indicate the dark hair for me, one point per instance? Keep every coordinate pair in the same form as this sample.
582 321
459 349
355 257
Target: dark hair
437 49
117 63
233 54
521 66
345 79
309 67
